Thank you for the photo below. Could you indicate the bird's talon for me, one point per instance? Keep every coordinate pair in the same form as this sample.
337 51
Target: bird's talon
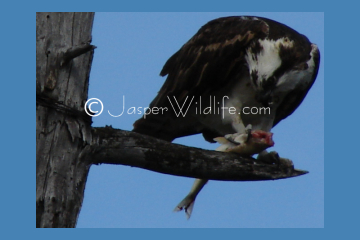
248 132
232 141
270 158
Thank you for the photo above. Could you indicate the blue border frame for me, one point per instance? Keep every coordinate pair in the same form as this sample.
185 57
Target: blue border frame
18 165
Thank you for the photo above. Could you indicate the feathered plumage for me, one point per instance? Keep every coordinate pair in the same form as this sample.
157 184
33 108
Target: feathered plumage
255 61
233 64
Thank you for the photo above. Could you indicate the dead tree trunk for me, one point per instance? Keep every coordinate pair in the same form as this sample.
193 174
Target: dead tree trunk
63 131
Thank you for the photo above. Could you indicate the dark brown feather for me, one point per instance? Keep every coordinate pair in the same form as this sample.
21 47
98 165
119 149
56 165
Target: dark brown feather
207 62
212 60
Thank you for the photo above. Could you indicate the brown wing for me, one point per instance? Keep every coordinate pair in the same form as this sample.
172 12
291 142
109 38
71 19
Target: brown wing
208 61
210 58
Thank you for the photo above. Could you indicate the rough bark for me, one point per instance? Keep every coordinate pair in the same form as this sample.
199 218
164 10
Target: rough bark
115 146
63 131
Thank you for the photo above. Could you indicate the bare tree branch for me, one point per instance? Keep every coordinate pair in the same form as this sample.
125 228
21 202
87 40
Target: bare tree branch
75 51
115 146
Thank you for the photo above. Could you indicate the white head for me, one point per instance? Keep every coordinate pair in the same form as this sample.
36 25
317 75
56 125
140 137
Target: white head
264 59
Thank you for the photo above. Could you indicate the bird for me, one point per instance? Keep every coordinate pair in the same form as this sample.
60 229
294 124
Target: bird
236 76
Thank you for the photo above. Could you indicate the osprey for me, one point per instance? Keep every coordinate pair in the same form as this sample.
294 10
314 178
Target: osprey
229 71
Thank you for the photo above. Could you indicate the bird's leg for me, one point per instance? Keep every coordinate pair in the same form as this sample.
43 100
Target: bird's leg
248 131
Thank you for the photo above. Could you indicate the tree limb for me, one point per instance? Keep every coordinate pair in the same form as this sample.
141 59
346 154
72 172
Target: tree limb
115 146
75 51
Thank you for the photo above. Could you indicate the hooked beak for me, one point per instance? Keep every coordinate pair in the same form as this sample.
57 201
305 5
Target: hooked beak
265 98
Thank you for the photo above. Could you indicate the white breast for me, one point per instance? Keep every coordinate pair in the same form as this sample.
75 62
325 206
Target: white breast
268 59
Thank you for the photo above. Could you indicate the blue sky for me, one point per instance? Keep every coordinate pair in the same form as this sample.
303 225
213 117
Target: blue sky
132 48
